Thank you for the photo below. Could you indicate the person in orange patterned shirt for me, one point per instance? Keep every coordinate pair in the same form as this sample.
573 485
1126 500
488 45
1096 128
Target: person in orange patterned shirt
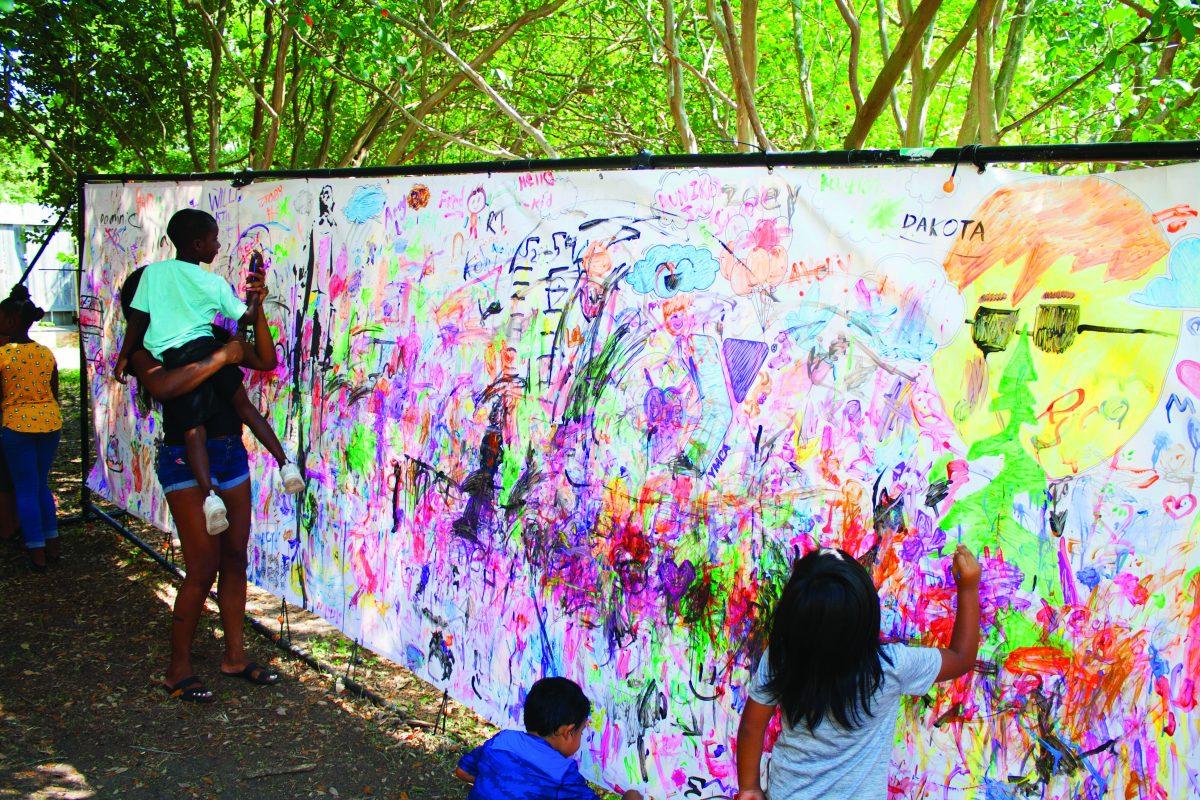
10 526
32 424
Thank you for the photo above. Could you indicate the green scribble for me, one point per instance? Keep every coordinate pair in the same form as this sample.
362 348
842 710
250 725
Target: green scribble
360 453
986 518
883 214
1022 630
341 342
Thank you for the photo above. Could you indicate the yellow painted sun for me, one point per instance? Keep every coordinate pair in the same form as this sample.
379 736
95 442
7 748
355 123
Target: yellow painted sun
1058 262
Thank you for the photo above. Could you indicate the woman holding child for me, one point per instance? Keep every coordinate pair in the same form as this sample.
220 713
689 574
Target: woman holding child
208 556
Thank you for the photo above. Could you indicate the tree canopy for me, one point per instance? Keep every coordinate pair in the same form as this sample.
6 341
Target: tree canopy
197 85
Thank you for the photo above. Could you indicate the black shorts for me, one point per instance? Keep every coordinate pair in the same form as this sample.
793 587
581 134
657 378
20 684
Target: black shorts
198 406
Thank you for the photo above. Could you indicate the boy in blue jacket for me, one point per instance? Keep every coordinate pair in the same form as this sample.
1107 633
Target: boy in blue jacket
536 764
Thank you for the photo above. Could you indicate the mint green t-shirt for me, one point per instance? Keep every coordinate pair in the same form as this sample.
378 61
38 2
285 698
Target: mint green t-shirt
182 300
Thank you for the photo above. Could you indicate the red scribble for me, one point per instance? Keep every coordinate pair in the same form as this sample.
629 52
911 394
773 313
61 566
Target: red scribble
1037 660
1176 217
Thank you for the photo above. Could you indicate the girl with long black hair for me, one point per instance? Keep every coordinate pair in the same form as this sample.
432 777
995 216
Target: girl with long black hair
838 687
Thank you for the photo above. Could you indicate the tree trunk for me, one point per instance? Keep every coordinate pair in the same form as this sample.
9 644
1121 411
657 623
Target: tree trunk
748 36
852 23
949 55
675 88
278 82
185 97
422 30
368 129
1012 53
804 68
214 93
327 123
722 23
918 62
982 85
260 79
893 68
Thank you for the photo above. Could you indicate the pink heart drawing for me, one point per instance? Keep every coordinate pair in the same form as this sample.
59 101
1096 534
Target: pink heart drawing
1189 375
1179 507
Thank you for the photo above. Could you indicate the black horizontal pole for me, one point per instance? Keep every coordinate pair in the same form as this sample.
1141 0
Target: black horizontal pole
971 154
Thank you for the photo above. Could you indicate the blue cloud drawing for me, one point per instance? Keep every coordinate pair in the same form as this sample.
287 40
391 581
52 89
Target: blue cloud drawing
1180 288
365 204
667 270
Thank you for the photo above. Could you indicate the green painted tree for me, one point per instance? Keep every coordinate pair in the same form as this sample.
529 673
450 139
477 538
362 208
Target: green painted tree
988 518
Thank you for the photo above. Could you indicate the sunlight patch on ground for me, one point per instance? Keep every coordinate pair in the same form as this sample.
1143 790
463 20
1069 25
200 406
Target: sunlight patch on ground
50 781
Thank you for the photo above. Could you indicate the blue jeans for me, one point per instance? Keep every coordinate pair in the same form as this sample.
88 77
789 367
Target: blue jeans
30 456
227 461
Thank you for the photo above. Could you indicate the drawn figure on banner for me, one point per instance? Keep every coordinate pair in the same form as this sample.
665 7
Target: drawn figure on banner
1055 369
326 205
476 202
752 234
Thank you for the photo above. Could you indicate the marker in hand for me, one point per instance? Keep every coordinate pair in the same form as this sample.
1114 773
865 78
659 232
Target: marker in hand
256 263
256 279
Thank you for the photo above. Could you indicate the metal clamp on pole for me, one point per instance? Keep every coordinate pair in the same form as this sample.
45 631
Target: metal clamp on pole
644 159
242 179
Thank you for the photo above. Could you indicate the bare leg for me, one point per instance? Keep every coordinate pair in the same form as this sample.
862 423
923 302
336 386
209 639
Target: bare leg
231 582
231 586
201 557
195 443
258 425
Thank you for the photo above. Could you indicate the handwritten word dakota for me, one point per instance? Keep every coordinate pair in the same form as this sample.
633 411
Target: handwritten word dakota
936 228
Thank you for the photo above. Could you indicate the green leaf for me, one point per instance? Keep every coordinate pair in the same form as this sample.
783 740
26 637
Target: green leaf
1187 28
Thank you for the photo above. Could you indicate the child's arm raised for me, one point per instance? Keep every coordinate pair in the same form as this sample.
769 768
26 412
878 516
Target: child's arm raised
959 658
255 292
751 731
260 357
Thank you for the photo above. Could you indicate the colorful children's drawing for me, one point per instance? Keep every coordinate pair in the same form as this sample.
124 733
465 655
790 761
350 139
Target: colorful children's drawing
580 424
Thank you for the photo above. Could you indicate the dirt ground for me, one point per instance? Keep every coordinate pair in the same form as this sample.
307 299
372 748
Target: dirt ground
83 646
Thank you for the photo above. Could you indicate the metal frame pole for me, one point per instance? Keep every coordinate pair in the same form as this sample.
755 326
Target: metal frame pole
85 393
980 156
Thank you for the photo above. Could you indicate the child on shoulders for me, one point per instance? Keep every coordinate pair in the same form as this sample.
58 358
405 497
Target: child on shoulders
536 764
174 308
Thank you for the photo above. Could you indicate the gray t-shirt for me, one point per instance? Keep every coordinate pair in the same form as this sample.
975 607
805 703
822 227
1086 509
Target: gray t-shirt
847 764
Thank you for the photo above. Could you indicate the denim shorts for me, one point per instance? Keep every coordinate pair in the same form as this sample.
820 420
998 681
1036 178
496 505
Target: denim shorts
226 460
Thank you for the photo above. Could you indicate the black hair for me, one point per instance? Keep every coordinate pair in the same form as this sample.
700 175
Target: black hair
19 303
554 702
187 225
825 659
